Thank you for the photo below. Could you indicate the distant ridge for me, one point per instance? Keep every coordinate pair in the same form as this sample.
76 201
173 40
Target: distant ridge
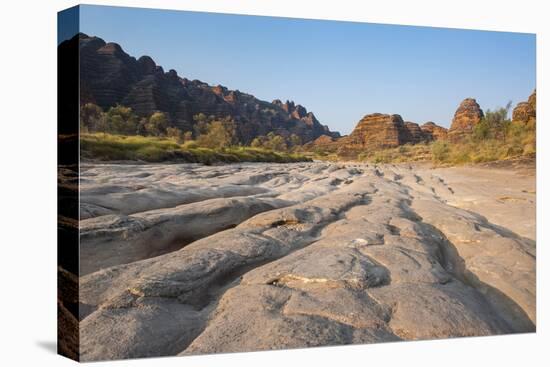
109 76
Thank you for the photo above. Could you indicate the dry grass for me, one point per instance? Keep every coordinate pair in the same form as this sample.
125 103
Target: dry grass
519 141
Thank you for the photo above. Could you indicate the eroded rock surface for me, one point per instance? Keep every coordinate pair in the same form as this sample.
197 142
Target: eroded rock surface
266 256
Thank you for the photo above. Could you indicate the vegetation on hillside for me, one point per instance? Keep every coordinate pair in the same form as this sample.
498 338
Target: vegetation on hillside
119 134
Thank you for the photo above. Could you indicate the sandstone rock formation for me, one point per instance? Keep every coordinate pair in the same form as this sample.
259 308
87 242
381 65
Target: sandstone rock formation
466 117
108 76
434 131
526 112
324 140
323 254
413 133
377 131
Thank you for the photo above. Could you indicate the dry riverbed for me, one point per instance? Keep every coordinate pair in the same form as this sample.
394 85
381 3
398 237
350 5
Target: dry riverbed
191 259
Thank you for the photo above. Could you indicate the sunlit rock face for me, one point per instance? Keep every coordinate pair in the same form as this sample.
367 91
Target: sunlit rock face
434 131
526 112
467 116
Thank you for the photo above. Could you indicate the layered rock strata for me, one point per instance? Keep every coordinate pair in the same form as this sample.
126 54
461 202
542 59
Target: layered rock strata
109 76
467 116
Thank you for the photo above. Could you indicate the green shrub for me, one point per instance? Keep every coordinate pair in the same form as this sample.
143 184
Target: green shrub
481 131
157 125
121 120
219 134
440 151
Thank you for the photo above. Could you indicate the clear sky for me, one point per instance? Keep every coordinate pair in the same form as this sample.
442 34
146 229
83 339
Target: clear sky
339 70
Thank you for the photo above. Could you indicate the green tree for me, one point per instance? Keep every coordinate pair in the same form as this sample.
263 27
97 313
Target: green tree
175 133
157 124
91 117
495 124
482 131
220 134
187 136
201 124
295 141
258 142
141 126
201 117
121 120
276 142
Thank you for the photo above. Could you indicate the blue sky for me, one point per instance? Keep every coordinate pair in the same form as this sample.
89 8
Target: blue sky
339 70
